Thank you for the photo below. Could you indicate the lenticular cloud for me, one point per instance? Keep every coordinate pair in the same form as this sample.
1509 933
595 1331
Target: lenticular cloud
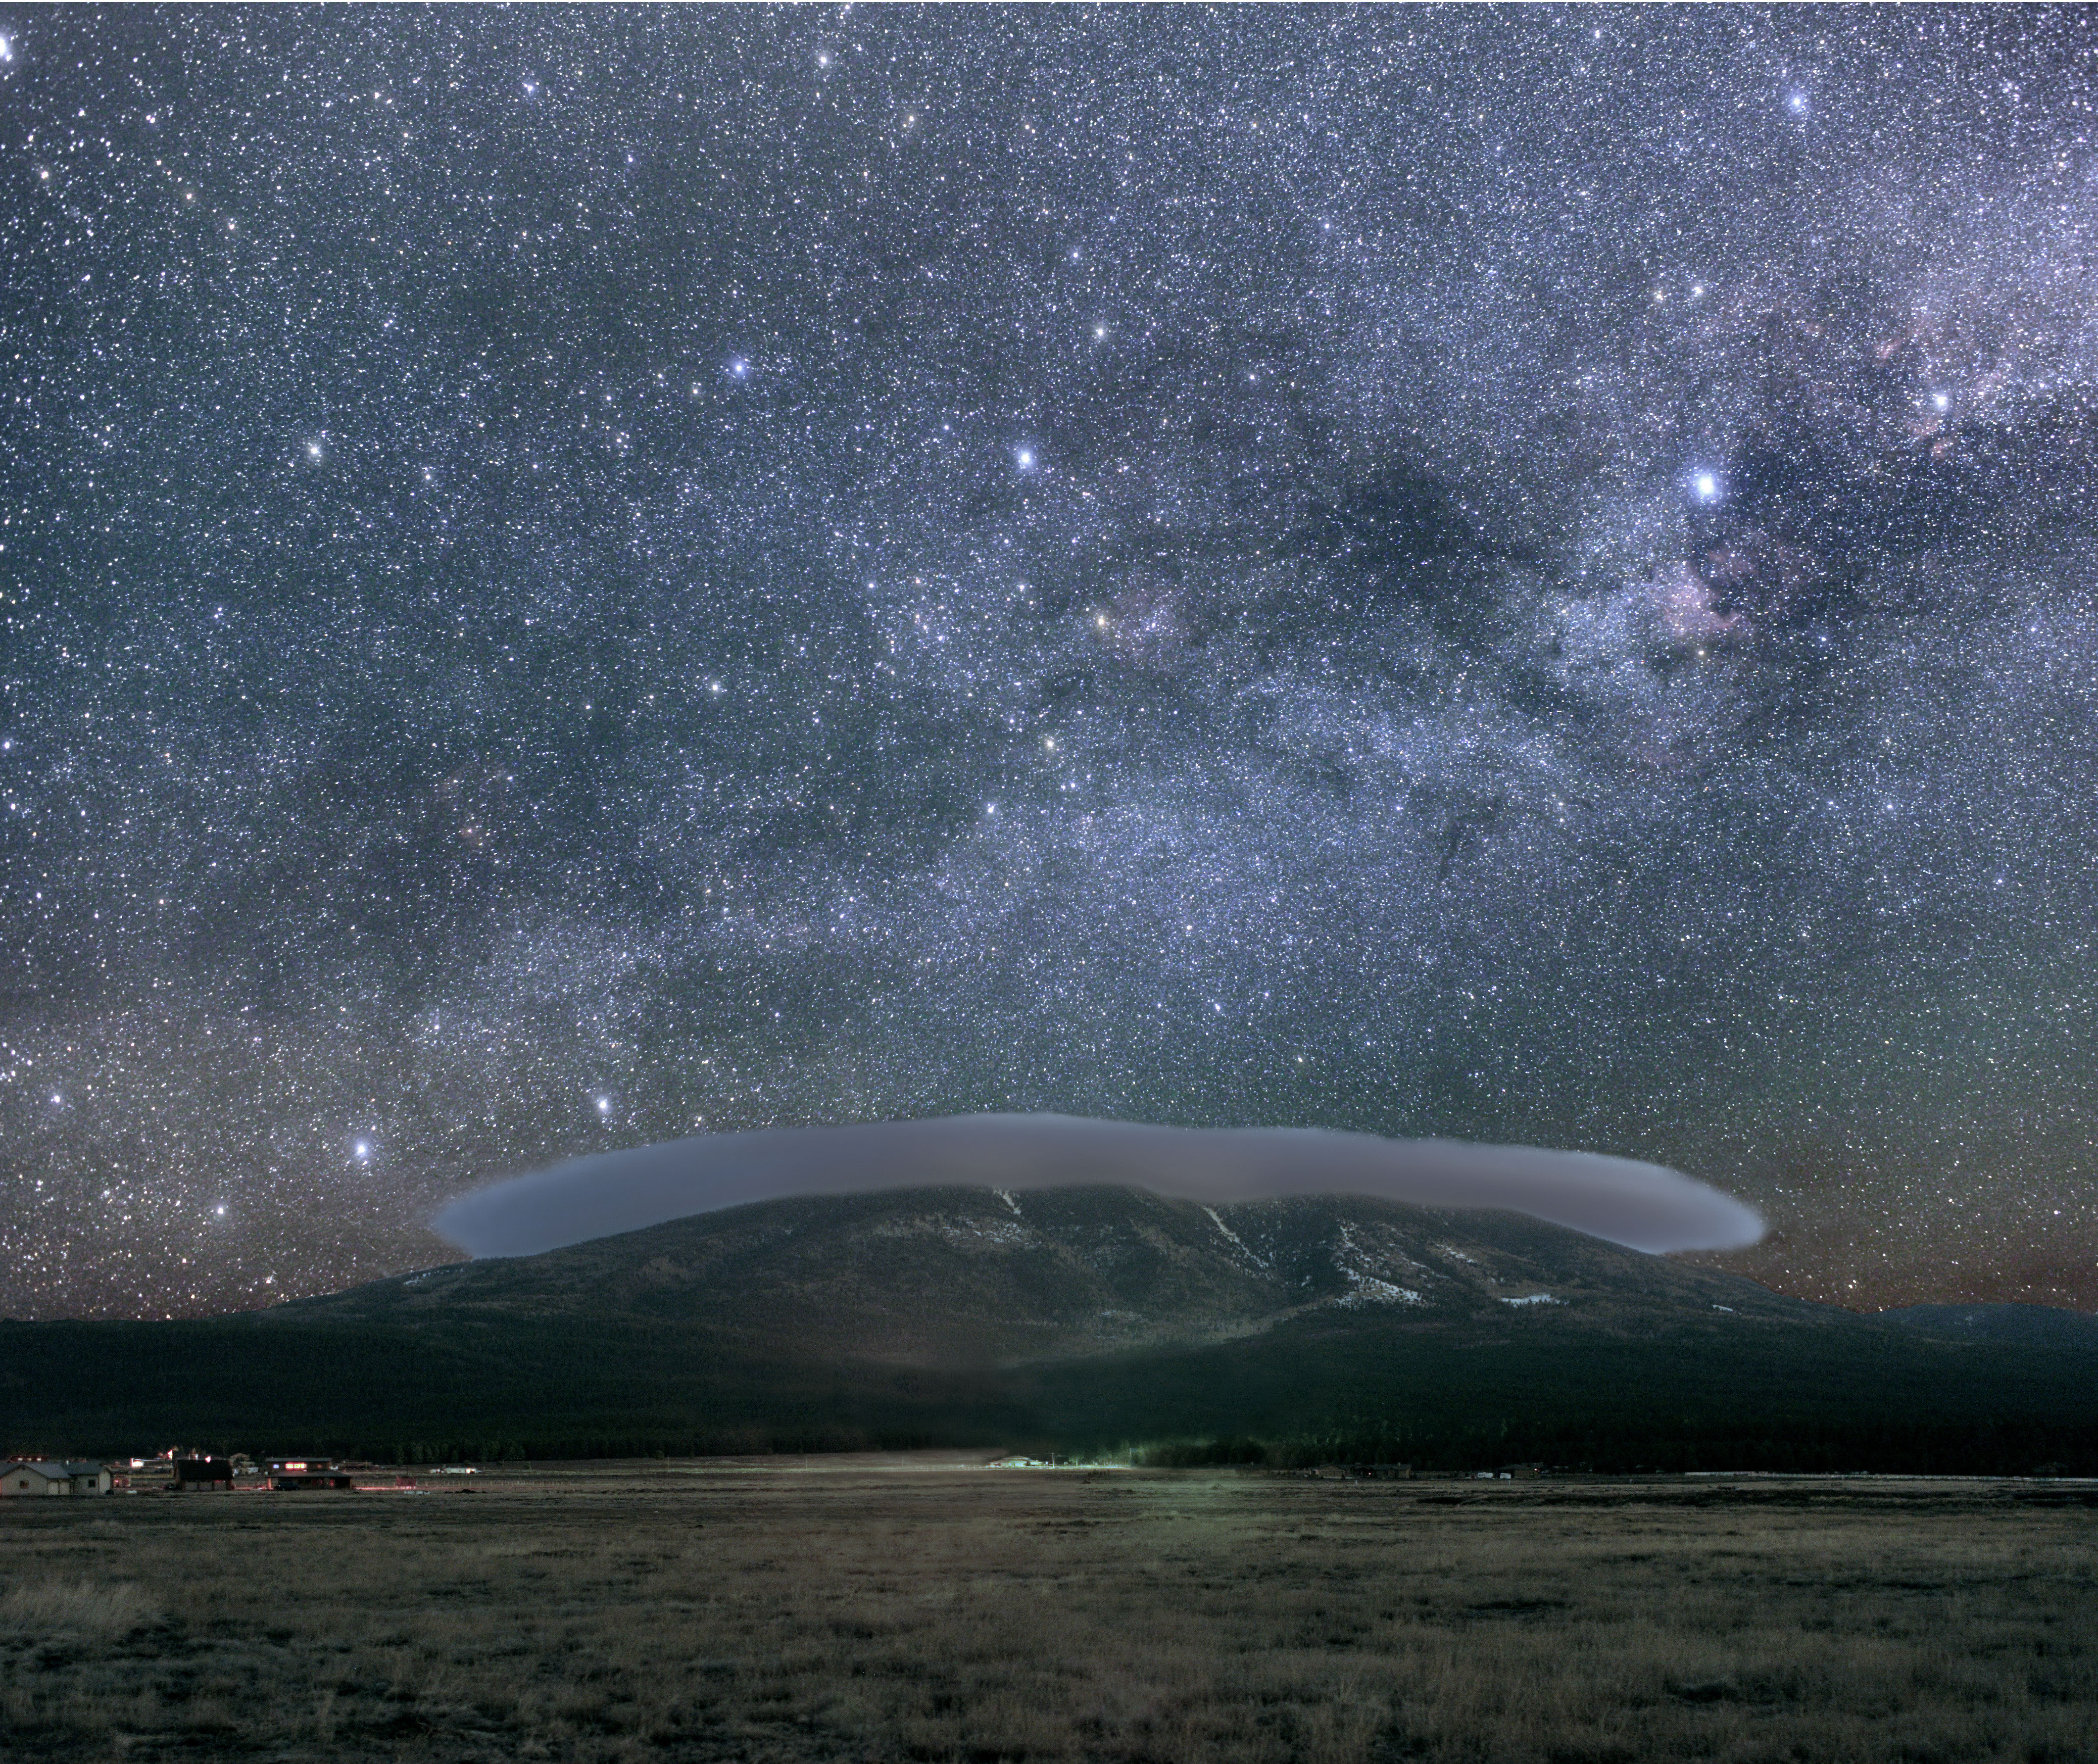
1644 1206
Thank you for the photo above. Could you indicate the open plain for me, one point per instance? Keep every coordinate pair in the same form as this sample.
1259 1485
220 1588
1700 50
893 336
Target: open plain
920 1608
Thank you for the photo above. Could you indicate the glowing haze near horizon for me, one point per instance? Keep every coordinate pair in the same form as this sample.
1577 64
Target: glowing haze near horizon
573 578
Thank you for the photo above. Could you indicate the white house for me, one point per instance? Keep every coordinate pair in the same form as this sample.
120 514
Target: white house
74 1477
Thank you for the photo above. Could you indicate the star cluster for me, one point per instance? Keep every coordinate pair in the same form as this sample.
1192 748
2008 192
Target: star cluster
574 577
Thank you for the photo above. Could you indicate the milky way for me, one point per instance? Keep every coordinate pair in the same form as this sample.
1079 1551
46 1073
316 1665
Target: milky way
573 578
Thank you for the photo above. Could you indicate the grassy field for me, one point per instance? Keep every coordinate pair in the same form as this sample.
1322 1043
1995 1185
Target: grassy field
871 1610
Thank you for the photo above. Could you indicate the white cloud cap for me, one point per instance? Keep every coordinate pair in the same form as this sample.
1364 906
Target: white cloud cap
1644 1206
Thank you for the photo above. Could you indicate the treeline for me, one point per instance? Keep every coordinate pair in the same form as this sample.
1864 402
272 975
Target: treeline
1798 1445
1801 1445
515 1388
552 1446
514 1393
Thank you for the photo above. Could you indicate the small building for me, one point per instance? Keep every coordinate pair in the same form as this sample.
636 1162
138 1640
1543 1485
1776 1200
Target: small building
288 1474
203 1474
53 1476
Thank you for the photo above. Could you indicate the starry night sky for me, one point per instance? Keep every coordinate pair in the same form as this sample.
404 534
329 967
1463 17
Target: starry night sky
572 577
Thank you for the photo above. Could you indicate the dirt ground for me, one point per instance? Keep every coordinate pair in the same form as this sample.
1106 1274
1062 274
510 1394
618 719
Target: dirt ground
925 1608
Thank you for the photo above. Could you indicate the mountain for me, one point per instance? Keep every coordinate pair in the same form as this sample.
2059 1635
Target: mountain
1070 1319
958 1277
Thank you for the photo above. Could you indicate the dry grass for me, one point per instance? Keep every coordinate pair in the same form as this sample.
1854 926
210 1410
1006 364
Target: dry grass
88 1610
850 1613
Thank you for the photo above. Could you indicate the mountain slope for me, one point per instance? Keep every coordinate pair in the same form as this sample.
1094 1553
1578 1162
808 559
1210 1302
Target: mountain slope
1068 1319
971 1277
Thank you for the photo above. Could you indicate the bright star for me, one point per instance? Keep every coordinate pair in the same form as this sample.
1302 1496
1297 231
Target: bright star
1024 458
7 50
361 1149
1796 103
